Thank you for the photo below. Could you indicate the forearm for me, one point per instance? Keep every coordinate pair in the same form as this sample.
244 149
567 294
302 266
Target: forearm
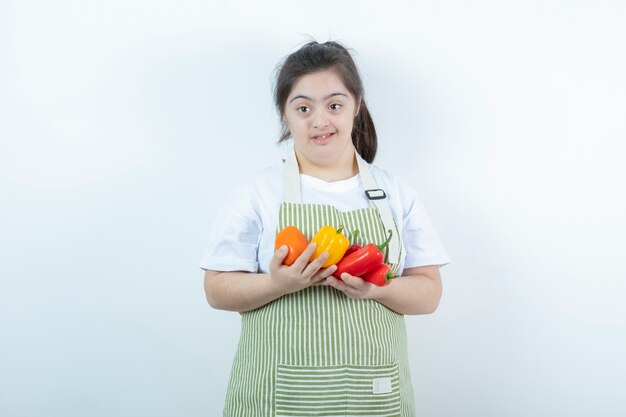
242 291
411 294
239 291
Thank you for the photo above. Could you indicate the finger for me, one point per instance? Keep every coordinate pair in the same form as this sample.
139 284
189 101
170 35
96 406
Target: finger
337 283
331 280
316 265
278 257
352 281
348 290
304 258
326 272
331 270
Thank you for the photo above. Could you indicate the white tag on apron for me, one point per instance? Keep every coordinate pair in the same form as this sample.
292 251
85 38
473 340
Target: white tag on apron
381 385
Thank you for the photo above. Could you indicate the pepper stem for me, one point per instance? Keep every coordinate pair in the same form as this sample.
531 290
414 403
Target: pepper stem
340 229
386 242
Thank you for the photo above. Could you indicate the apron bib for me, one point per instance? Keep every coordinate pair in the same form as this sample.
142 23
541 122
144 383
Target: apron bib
317 352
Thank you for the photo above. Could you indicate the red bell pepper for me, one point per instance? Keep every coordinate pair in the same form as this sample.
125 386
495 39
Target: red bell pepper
363 260
381 275
353 248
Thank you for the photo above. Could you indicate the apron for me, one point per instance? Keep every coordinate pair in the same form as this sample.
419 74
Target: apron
317 352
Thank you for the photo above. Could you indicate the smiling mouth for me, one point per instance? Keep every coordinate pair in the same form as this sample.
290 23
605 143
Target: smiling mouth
323 137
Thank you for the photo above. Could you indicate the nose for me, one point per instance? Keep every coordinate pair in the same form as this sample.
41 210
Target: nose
320 120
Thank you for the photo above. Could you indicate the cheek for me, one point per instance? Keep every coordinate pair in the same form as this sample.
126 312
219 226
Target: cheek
346 125
291 124
298 130
297 127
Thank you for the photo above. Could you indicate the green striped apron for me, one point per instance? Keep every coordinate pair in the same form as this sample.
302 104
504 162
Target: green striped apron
317 352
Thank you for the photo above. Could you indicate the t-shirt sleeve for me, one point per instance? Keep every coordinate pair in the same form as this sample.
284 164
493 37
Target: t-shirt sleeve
234 237
421 241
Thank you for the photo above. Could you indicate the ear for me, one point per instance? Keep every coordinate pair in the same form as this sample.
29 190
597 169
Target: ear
358 107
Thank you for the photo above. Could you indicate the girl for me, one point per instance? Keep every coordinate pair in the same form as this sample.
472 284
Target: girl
312 344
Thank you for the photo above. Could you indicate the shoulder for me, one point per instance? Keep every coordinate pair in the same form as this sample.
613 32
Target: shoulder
382 174
402 196
272 173
392 182
260 189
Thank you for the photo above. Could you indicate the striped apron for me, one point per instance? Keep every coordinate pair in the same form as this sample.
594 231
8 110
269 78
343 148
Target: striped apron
317 352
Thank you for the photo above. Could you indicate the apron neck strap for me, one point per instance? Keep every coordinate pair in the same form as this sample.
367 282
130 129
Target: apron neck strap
377 196
292 179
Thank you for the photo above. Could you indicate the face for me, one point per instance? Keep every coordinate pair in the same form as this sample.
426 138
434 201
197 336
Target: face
320 113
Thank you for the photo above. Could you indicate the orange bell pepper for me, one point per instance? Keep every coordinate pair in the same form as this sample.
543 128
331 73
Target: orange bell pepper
332 241
295 241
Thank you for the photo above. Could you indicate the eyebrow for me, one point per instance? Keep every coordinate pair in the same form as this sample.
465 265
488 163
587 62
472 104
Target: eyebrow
324 99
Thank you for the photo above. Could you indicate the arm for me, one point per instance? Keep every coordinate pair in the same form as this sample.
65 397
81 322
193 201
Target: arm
238 291
418 291
243 291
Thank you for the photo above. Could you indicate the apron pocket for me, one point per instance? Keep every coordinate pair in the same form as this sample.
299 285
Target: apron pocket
343 390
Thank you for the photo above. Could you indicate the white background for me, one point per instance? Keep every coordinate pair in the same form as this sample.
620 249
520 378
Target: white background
123 124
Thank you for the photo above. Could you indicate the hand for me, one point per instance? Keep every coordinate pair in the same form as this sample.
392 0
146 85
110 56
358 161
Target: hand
353 287
300 275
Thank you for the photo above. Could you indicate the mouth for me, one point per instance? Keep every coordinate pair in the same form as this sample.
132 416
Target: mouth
323 139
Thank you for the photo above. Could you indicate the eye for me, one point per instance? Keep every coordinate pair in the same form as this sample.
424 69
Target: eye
335 106
306 109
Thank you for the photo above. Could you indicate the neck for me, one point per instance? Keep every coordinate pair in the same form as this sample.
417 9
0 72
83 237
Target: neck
340 169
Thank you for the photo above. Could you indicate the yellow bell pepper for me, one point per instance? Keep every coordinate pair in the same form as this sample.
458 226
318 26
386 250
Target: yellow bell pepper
332 241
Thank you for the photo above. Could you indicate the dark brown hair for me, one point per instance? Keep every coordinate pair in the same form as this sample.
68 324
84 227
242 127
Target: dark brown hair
315 57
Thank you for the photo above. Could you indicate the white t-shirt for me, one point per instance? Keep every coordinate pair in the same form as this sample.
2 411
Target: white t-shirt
242 237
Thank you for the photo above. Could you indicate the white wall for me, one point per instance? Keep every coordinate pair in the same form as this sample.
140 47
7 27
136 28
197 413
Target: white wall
122 123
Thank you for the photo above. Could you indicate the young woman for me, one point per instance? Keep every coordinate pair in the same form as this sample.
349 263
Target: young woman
312 344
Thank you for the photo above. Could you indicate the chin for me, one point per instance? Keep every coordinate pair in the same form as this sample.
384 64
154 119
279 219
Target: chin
325 154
